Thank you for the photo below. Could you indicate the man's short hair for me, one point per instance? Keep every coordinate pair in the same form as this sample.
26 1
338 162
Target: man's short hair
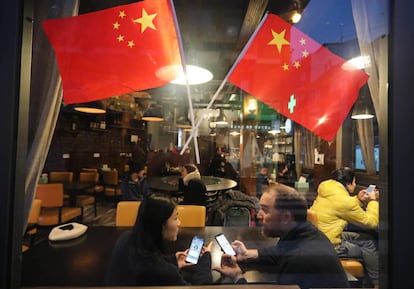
287 198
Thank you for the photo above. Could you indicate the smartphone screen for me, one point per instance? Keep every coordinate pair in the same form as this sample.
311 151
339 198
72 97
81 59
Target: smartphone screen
224 244
370 188
195 249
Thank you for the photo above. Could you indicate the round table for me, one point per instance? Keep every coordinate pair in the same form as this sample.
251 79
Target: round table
170 183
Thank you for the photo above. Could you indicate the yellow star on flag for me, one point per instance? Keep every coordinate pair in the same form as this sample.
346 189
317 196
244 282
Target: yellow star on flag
122 14
116 25
146 21
279 40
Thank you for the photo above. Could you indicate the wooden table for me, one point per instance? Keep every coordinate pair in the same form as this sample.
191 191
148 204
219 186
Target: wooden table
76 188
83 261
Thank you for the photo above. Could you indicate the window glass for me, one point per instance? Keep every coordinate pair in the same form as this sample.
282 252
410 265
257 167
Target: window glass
291 112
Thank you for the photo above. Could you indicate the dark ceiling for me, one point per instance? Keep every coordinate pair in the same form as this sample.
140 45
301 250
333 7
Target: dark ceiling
213 34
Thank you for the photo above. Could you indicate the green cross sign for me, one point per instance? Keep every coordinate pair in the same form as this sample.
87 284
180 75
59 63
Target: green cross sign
292 103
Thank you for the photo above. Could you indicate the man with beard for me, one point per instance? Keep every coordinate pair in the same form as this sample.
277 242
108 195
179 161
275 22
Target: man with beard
303 255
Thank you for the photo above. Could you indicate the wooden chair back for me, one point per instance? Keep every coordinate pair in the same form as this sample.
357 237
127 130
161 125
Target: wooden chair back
33 219
192 215
52 211
111 185
312 217
35 211
60 177
89 170
89 177
110 177
126 213
50 194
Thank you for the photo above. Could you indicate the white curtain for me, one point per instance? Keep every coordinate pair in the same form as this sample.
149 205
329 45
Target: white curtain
371 23
46 95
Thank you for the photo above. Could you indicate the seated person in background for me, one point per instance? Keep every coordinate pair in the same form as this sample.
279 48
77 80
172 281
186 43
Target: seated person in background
335 208
139 259
134 186
282 173
193 188
262 180
303 255
217 165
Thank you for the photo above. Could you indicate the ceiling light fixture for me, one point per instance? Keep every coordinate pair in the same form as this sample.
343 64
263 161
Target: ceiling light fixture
252 106
362 107
196 74
95 107
213 132
152 114
296 16
297 12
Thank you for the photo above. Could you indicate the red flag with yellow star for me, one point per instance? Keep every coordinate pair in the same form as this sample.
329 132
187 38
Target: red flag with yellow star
114 51
298 77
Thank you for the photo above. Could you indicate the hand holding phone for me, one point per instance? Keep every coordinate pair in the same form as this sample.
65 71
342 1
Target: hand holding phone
225 244
370 189
195 249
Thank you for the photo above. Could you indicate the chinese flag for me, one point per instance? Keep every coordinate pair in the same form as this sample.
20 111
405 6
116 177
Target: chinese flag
298 77
114 51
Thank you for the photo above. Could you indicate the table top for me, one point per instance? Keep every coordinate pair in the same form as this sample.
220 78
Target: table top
83 261
228 286
170 183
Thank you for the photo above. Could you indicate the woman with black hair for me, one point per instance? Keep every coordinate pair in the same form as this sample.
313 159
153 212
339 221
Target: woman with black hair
192 187
139 258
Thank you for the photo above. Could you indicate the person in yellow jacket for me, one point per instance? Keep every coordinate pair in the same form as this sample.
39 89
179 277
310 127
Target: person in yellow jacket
336 206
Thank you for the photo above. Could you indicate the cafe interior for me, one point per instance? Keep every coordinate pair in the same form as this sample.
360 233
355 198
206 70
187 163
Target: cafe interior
84 149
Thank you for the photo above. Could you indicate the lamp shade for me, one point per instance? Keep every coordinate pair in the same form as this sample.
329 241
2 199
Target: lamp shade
361 112
152 114
221 119
363 108
213 132
90 107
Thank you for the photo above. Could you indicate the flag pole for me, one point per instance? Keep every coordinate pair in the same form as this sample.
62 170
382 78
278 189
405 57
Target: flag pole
242 53
190 103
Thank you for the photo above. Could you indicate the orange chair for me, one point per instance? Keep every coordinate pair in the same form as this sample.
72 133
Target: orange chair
192 215
61 177
352 266
33 221
126 213
89 170
111 184
312 217
52 210
89 197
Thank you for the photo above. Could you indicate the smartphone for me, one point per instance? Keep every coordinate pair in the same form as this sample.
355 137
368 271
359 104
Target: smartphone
225 244
370 189
195 250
